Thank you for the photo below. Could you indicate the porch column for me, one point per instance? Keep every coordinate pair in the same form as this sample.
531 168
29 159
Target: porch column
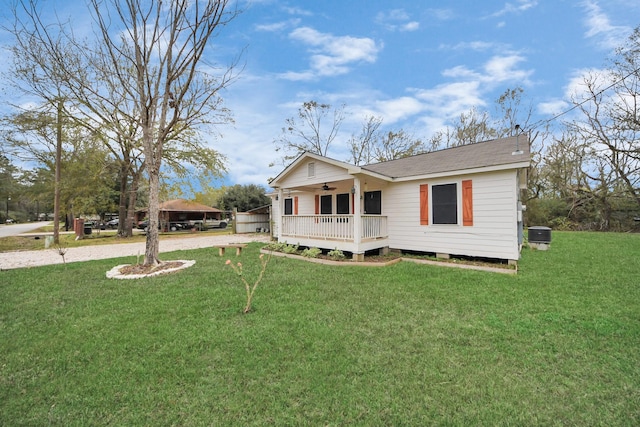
278 219
357 218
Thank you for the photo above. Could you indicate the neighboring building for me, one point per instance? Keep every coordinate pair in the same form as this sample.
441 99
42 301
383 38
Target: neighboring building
180 214
458 201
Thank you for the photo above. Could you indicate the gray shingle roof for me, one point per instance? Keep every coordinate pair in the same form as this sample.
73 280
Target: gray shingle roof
482 154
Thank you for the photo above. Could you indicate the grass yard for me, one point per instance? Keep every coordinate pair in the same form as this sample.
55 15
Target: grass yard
407 344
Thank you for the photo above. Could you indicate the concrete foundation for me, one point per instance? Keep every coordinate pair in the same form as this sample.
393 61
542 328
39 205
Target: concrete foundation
358 257
539 246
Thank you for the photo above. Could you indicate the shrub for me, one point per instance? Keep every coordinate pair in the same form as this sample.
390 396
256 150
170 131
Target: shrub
276 246
290 249
336 255
311 252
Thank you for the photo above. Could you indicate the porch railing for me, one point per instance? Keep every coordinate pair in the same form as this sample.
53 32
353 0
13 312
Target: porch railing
334 227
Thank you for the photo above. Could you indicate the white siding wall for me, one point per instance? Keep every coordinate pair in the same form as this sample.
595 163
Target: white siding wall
324 172
494 231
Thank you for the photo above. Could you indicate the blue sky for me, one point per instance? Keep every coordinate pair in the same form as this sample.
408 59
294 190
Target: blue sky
418 64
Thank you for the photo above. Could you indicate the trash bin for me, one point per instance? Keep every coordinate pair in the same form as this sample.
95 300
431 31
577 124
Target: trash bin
87 229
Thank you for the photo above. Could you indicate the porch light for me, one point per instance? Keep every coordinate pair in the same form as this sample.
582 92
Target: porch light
353 190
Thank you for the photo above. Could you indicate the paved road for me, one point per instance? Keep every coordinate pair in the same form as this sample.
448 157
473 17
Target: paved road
21 259
7 230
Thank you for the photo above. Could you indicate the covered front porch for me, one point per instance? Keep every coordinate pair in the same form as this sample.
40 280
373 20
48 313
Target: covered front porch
349 233
328 204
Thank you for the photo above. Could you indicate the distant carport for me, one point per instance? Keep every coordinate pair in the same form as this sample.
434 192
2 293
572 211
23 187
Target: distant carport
182 211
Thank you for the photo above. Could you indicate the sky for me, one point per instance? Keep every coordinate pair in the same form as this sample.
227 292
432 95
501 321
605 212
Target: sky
417 64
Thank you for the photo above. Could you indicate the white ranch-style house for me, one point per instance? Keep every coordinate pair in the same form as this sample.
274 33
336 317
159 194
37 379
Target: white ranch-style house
461 201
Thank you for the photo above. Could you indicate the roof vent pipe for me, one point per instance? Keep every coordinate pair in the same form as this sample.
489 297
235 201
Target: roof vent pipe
518 150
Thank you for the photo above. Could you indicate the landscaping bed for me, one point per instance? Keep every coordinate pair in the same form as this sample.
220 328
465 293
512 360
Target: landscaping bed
337 257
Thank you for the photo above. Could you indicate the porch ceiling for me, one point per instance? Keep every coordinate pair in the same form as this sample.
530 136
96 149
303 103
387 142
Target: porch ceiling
366 183
316 186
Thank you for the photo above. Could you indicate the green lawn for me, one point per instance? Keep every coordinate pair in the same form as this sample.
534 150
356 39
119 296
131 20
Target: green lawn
407 344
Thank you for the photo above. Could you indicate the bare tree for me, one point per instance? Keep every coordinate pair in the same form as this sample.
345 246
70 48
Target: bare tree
362 147
609 126
308 131
371 145
396 145
163 45
470 127
144 81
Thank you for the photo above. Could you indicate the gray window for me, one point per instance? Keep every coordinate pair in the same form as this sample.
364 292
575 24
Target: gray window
444 201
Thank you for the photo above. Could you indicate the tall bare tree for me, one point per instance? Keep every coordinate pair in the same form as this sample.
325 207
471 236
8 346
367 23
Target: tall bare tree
362 146
147 67
609 122
163 46
313 129
396 145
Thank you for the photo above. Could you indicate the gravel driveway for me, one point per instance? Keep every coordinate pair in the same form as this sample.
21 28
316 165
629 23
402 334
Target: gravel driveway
20 259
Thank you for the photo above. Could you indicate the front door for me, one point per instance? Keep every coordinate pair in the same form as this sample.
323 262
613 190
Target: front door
373 202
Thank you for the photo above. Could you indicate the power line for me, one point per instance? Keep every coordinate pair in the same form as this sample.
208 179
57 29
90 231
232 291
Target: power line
546 121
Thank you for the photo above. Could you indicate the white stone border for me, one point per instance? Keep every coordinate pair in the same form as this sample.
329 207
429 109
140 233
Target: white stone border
114 273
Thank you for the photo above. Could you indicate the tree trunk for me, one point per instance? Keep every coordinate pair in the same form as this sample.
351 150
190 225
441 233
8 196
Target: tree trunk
56 197
153 236
131 209
122 203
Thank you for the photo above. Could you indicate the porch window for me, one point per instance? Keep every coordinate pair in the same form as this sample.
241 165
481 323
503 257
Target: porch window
326 207
444 201
373 203
288 206
342 204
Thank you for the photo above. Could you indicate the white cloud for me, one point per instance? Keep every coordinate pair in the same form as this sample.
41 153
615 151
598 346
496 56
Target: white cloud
448 100
553 107
496 70
410 26
397 109
297 11
503 69
397 19
442 14
518 7
599 26
277 26
332 55
477 46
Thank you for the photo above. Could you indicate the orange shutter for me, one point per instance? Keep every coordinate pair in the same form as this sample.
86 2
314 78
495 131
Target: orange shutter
353 203
317 204
424 204
295 205
467 203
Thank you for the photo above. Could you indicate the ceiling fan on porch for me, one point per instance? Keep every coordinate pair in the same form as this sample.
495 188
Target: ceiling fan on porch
325 187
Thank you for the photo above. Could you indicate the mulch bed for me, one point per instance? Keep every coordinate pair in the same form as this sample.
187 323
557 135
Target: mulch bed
149 269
